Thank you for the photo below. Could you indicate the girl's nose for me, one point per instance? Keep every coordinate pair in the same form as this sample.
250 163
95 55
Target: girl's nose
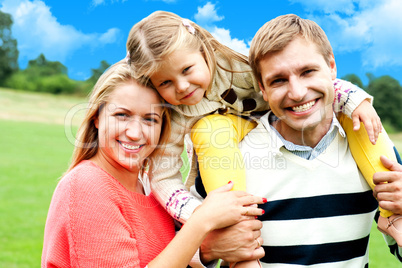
182 86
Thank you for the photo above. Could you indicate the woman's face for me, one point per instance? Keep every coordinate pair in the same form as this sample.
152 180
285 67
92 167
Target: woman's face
129 125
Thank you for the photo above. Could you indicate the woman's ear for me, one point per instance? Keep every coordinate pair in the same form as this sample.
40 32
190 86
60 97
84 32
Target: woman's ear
96 122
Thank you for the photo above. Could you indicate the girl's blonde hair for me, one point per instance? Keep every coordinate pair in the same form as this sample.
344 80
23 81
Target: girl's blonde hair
86 144
277 33
160 34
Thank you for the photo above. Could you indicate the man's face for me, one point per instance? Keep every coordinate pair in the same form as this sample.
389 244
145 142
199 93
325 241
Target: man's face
298 84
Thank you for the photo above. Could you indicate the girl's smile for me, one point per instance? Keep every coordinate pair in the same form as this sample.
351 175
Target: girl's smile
183 78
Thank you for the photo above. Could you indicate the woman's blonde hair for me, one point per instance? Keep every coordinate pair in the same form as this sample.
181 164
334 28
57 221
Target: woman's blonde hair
276 34
86 144
160 34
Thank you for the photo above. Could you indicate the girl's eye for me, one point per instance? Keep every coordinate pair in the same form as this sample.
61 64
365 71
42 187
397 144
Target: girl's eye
186 69
164 83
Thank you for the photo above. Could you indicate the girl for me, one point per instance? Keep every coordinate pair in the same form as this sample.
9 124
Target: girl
101 214
193 71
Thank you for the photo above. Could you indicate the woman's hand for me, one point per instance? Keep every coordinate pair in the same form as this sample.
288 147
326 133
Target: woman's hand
223 207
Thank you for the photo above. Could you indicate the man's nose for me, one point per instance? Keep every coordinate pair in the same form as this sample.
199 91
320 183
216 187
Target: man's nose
297 90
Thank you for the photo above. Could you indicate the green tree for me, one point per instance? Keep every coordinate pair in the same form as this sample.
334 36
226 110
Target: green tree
387 93
42 67
42 75
96 73
8 48
354 79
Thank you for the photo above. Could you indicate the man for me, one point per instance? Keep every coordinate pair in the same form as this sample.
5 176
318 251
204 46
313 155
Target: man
320 208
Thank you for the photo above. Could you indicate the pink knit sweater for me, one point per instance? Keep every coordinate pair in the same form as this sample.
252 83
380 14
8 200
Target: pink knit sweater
93 221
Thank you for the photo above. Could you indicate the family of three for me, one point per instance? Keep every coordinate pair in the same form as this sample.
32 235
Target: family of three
123 201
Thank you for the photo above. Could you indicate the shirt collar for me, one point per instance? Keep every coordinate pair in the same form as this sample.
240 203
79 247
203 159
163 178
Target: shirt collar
300 150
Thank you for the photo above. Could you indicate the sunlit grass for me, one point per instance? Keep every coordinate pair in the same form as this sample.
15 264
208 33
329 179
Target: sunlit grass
33 156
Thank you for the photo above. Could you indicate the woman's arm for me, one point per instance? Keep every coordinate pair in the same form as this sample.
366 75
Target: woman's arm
220 209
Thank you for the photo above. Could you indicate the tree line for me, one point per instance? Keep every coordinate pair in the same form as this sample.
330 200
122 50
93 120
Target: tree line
42 75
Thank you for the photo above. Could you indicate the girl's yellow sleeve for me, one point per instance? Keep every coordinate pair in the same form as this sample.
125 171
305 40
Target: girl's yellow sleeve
367 155
216 138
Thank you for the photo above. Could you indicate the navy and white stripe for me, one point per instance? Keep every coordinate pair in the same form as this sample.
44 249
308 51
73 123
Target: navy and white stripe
319 211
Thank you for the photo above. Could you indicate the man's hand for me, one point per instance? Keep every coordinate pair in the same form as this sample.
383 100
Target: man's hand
388 189
235 243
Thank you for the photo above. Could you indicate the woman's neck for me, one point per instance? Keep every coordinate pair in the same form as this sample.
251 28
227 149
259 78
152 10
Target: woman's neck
129 178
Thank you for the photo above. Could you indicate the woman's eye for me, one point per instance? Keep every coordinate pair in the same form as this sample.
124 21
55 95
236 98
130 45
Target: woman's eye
121 115
151 120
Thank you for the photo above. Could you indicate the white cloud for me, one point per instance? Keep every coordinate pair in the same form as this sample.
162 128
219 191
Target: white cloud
96 3
223 36
372 27
207 16
38 31
346 6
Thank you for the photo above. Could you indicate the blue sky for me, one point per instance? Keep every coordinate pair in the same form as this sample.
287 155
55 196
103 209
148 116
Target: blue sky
366 34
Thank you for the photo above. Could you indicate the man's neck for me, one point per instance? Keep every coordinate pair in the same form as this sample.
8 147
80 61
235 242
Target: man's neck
306 137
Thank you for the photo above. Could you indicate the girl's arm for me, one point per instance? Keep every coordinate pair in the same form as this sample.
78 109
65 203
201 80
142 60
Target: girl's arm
167 181
216 138
219 210
354 102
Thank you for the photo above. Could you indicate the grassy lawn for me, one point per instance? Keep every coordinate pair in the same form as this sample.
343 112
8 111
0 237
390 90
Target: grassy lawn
34 153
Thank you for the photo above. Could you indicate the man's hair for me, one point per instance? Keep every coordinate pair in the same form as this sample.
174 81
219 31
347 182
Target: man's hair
276 34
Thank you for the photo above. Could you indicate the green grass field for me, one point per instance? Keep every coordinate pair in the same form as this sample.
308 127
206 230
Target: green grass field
34 153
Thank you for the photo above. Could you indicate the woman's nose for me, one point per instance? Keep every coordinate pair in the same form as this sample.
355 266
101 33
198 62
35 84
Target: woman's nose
134 129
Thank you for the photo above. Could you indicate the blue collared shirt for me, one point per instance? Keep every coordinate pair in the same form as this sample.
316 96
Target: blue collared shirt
308 152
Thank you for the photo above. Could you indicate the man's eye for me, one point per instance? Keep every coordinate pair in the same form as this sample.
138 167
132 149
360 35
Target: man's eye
278 81
307 72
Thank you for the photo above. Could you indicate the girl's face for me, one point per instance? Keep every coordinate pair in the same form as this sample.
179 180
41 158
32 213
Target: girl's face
183 78
129 126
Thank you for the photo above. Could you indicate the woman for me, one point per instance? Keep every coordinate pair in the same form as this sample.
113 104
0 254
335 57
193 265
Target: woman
100 214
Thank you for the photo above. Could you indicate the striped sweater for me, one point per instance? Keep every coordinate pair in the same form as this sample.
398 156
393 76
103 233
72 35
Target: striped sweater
319 212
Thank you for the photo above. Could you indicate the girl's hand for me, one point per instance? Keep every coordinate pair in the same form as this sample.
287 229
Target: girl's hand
223 207
366 114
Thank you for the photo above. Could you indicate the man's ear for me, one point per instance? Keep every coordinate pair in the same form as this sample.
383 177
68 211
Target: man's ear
264 93
332 66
